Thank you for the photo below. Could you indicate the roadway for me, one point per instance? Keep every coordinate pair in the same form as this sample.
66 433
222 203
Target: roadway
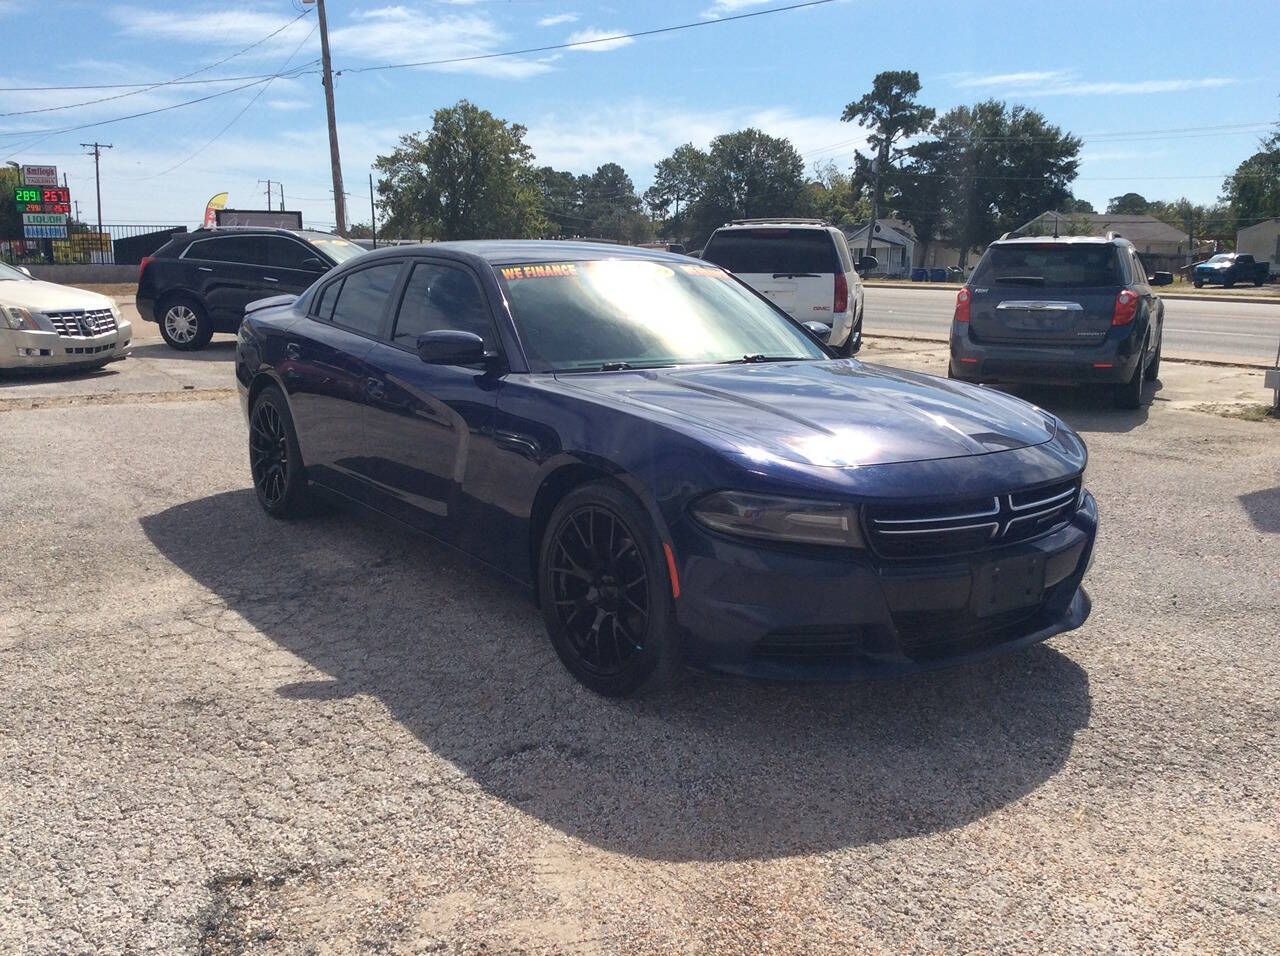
1215 329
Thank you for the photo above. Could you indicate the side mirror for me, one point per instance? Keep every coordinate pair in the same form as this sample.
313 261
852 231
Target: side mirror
25 271
818 330
314 264
451 347
1161 278
867 264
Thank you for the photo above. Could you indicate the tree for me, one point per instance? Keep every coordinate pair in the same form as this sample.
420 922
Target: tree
891 113
1078 205
1130 204
1253 190
833 197
677 183
470 177
748 174
360 230
999 166
561 201
920 193
10 218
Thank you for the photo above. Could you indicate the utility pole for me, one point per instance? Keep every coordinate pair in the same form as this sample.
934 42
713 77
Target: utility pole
373 213
335 161
268 182
97 178
877 167
281 185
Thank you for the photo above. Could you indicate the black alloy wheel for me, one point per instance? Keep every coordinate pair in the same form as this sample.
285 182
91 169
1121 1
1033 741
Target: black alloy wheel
274 459
605 592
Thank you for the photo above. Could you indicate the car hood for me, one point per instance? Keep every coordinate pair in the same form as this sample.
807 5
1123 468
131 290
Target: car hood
39 296
829 413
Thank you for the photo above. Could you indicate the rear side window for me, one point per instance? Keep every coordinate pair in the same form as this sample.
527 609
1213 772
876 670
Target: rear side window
773 251
323 307
1060 265
362 300
439 297
246 250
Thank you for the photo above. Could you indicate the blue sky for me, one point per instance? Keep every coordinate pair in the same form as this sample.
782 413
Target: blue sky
1120 74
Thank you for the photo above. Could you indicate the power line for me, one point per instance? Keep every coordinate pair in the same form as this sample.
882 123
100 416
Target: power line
162 83
611 38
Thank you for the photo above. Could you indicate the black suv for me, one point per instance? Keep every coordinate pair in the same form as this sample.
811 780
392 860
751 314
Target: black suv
199 282
1068 310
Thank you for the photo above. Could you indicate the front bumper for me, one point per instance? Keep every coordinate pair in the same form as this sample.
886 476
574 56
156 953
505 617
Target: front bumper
25 350
791 615
1112 360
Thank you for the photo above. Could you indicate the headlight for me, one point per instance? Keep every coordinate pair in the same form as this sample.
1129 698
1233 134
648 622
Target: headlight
776 518
16 318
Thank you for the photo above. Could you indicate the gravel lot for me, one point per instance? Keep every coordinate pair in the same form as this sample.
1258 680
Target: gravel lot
225 734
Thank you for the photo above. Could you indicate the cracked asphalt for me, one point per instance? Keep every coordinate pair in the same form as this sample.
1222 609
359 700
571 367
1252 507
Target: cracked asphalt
224 734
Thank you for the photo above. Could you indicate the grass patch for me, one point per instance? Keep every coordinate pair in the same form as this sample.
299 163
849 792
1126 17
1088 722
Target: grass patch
1248 413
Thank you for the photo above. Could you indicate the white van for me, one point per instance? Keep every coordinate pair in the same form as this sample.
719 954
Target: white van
803 266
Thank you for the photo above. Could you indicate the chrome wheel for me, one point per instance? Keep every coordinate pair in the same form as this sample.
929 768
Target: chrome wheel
181 324
599 590
269 453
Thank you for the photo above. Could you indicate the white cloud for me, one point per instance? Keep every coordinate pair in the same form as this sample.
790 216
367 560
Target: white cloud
1065 83
724 7
214 27
398 34
638 133
598 39
287 105
557 19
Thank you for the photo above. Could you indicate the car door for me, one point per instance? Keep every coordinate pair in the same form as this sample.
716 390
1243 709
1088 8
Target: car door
292 265
423 422
228 275
1150 301
326 371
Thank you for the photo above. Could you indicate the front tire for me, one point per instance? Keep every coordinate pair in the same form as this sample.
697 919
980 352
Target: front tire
606 593
1198 284
185 325
275 461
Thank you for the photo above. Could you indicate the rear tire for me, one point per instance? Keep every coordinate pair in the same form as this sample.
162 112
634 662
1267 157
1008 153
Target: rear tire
275 460
1198 284
1153 368
1129 395
185 324
606 593
1229 284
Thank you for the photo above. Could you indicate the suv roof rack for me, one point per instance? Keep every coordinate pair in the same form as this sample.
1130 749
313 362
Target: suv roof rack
1112 234
793 219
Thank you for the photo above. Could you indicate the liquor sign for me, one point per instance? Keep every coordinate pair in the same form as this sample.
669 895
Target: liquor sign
40 175
44 219
44 232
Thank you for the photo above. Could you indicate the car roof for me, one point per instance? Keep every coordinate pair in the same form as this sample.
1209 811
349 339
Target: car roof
780 222
254 231
1063 240
507 251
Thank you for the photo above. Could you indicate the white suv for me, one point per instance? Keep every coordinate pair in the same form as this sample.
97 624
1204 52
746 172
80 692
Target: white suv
803 266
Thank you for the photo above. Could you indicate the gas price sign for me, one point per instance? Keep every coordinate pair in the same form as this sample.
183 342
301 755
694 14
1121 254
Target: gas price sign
47 199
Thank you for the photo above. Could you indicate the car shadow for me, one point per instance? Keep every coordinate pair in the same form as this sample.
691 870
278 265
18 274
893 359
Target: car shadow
716 770
1088 408
1263 508
10 378
216 351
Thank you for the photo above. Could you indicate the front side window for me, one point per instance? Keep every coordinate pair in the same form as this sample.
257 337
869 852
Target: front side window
362 300
588 315
285 253
244 250
440 297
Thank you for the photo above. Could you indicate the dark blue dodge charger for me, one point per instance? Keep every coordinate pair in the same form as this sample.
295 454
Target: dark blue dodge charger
682 474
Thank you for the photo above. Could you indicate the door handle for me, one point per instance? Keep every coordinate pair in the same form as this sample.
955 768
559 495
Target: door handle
269 279
293 350
203 269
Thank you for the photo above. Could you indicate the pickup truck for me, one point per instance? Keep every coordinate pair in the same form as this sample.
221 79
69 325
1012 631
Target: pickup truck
1228 268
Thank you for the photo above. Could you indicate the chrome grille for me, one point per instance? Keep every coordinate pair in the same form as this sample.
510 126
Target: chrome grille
973 524
82 323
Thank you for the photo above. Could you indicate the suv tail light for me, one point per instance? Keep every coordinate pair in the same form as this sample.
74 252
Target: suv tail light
841 303
1126 307
142 266
962 305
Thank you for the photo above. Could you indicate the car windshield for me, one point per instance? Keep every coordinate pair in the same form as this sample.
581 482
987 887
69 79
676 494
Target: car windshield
9 274
756 251
1077 265
336 248
609 314
1221 257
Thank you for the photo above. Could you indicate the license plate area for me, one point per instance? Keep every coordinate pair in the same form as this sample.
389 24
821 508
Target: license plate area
1039 321
1007 584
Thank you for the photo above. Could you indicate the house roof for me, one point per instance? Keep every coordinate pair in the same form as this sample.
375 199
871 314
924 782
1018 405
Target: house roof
1139 230
892 231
